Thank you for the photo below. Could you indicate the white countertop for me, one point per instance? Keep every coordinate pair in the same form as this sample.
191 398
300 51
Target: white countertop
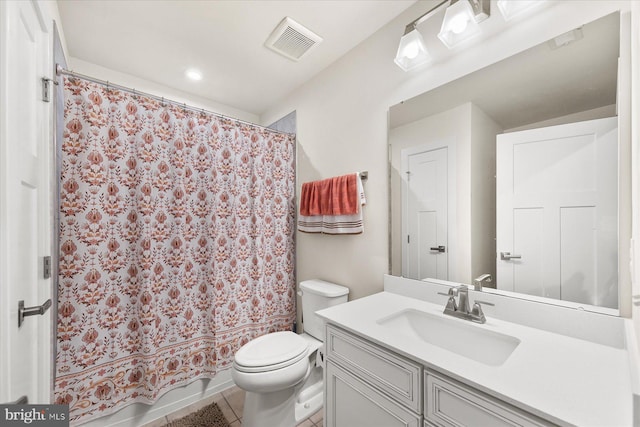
565 380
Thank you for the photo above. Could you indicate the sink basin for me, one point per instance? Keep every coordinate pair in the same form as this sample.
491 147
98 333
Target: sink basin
454 335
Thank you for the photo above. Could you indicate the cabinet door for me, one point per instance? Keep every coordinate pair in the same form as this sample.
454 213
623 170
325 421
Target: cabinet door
451 404
353 403
398 377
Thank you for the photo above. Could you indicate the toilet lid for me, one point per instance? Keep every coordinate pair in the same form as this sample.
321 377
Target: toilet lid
277 349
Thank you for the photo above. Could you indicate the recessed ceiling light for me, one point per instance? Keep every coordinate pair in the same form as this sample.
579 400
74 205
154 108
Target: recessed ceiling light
193 74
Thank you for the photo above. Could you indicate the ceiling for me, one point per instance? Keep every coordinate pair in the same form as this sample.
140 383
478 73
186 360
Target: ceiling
224 39
538 84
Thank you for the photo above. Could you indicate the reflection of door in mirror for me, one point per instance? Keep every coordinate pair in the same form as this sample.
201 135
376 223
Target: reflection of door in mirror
425 198
557 212
469 136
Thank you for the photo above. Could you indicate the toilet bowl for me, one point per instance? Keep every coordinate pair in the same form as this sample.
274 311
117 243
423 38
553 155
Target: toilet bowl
282 372
271 362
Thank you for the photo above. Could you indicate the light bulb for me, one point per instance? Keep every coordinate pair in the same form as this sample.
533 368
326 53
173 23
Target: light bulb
458 23
411 50
193 74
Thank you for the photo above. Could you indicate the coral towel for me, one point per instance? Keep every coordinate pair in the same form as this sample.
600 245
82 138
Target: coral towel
333 196
332 206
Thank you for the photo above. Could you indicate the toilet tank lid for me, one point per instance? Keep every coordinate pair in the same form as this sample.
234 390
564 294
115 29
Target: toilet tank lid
325 289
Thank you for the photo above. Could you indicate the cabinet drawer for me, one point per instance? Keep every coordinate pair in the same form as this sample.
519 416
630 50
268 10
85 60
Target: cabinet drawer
452 404
394 375
352 402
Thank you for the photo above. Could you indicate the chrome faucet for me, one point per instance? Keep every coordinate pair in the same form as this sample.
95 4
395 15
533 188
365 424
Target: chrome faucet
460 308
477 282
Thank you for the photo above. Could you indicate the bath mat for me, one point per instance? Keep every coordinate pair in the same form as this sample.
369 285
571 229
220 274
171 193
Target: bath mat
209 416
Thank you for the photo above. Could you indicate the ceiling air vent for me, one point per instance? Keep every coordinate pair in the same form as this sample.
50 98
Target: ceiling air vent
292 40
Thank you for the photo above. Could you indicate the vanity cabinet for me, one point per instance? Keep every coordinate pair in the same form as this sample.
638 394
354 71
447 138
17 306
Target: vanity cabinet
367 385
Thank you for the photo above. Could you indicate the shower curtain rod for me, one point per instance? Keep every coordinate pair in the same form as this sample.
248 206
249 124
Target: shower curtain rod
108 84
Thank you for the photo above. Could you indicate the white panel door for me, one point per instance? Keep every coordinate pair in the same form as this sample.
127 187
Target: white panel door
426 245
25 193
557 212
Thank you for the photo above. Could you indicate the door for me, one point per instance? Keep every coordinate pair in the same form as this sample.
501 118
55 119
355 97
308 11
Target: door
426 250
25 193
557 212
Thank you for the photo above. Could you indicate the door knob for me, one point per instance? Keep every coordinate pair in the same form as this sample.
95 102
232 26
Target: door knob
438 249
506 256
31 311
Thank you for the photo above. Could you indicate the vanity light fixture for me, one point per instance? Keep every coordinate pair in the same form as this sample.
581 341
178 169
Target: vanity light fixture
512 8
460 23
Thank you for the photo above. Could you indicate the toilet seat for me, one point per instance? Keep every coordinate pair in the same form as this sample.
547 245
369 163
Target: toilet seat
271 352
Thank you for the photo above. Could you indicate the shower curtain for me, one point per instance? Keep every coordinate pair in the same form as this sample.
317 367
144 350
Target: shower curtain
176 245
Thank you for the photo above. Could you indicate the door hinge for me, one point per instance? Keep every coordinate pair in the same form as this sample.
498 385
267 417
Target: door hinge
46 84
408 239
46 267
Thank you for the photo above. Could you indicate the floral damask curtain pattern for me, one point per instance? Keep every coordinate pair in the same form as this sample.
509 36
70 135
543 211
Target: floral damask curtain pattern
176 246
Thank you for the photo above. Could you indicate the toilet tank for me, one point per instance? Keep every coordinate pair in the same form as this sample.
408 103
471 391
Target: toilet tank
318 295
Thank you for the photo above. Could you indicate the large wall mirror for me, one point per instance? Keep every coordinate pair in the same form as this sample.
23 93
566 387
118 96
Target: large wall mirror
518 171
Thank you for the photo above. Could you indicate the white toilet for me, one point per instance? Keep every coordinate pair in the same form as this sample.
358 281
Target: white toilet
282 371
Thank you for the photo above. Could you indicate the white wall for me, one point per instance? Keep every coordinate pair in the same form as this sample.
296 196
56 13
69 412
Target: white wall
342 122
483 193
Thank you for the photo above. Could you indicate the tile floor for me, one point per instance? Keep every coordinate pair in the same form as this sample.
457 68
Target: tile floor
231 402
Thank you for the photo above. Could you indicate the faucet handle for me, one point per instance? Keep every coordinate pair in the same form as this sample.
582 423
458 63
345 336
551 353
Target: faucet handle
477 315
453 292
483 303
451 306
